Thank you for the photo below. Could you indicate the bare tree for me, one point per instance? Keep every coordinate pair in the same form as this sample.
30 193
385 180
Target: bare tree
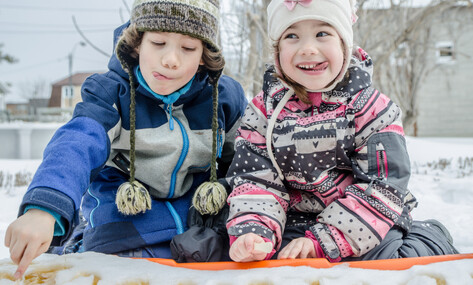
245 42
8 59
401 38
34 89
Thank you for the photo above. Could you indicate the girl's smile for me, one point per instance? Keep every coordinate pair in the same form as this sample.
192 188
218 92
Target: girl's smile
313 68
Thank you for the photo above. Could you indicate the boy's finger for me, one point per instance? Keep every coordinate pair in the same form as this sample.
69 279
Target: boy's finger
7 237
42 249
17 248
28 256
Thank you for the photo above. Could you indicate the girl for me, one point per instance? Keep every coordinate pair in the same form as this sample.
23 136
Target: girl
140 142
321 167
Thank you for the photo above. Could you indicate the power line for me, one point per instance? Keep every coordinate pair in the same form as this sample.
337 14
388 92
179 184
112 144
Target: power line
35 65
54 31
22 7
105 61
52 25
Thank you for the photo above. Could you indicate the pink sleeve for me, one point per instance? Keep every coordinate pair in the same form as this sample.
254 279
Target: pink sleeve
318 248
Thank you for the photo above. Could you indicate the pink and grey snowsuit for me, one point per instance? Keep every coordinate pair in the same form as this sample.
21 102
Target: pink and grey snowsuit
338 168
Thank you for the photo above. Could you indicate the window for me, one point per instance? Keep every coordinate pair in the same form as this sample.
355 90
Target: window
67 91
445 52
67 94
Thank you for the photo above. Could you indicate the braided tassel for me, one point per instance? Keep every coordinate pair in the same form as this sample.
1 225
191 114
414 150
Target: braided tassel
210 197
132 197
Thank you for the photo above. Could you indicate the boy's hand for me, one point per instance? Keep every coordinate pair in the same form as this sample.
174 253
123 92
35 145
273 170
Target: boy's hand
298 248
243 249
29 236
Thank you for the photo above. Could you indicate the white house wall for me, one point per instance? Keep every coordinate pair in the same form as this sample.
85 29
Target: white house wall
446 97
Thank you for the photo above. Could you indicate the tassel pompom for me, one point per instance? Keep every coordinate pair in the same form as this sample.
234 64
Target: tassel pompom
209 198
132 198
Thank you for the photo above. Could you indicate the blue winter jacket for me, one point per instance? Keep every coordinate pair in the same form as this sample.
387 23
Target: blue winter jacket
86 160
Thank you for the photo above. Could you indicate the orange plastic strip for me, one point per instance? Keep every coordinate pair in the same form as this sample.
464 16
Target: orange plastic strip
385 264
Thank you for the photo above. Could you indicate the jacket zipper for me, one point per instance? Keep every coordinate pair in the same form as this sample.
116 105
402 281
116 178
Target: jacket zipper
381 160
382 171
381 165
172 186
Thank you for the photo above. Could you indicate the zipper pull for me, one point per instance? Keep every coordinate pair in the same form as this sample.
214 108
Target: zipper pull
171 120
369 190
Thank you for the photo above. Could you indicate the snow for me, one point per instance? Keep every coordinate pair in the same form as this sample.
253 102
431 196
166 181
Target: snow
442 181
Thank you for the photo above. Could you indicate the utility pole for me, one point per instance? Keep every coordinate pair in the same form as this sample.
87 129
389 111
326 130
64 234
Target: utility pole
71 58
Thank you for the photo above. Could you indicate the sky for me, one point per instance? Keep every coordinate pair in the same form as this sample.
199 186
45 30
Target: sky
41 35
442 179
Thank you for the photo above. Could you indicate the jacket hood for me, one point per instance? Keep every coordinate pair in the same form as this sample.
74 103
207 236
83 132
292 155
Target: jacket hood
114 64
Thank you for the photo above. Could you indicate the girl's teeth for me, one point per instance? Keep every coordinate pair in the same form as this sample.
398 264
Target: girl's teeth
311 66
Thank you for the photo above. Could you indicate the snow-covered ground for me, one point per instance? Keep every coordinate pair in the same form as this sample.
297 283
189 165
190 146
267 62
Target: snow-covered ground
442 181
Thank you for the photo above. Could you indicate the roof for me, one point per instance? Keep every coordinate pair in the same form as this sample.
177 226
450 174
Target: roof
77 79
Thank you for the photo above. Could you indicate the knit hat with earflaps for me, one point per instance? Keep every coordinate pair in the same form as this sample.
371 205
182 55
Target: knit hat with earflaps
198 19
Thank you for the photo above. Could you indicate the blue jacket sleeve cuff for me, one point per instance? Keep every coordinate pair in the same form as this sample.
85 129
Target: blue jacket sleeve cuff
56 202
59 229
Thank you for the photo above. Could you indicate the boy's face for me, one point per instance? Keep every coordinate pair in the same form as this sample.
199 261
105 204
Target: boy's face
169 60
310 53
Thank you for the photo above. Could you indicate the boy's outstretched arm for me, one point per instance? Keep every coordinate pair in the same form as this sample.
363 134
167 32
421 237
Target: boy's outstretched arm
28 237
243 249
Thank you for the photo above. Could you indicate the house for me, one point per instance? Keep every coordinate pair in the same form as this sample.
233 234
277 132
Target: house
65 93
18 107
446 100
36 104
424 64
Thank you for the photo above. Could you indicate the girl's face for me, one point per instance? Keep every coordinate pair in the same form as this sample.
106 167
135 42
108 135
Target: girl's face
311 54
168 61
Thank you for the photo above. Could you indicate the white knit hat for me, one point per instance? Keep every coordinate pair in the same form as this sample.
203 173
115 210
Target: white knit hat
340 14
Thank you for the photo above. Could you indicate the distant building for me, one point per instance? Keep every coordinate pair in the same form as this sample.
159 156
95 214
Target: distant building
37 103
446 100
444 50
19 106
65 93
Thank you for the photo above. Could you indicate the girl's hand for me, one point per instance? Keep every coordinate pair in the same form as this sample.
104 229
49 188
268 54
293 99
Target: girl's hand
243 249
29 236
298 248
